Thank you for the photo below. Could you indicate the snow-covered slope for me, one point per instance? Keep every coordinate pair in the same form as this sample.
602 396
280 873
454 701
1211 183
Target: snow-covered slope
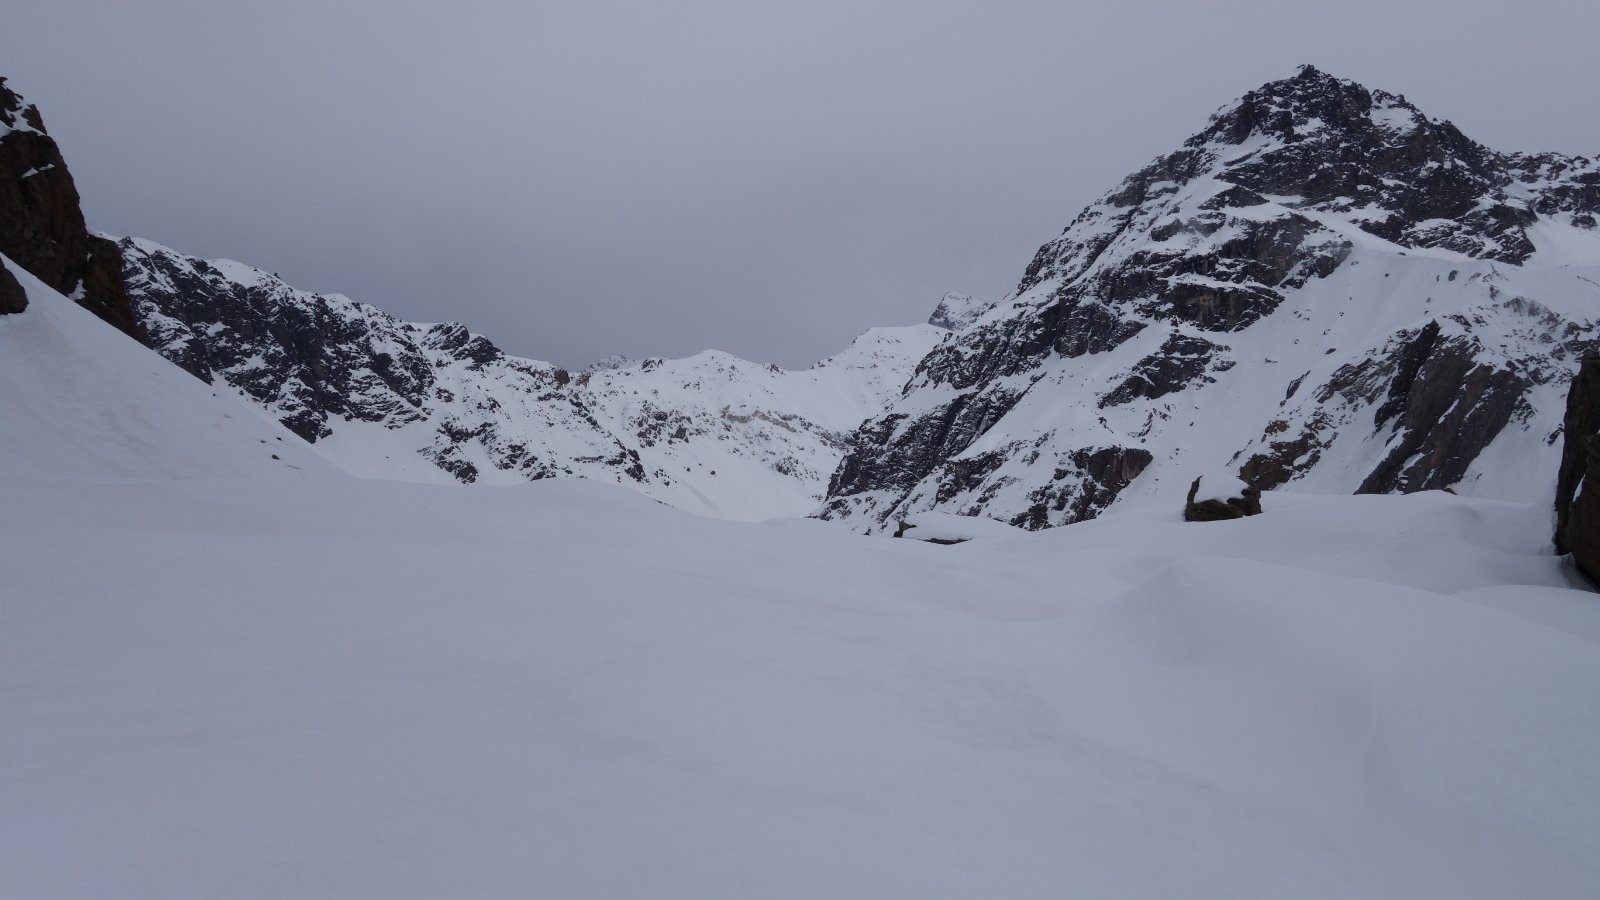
724 436
566 690
1324 288
79 399
713 433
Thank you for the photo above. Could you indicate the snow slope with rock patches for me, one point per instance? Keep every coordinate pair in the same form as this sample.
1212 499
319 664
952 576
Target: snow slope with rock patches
1324 289
81 400
713 433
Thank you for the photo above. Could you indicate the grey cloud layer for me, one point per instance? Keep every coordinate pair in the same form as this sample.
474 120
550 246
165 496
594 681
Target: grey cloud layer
582 179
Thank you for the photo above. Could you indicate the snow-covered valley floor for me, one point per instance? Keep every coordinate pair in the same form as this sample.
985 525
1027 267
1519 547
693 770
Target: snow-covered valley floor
229 670
300 685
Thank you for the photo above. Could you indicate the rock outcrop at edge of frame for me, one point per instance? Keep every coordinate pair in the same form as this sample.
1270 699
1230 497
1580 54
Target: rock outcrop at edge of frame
41 222
1578 484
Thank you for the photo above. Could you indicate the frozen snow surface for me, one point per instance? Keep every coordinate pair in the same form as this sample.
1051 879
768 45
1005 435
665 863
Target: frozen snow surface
221 676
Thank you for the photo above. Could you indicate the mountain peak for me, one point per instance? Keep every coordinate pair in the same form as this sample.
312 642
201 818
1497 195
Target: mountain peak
1304 105
17 114
1314 144
1325 144
1323 277
957 310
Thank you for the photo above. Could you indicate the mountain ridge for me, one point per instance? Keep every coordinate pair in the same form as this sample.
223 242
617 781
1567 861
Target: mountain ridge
381 397
1318 257
1208 267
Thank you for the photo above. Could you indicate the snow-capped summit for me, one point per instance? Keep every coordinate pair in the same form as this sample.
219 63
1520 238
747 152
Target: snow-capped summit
1323 286
957 310
609 363
1373 158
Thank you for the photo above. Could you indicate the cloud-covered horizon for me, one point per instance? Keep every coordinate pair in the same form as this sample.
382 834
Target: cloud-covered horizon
577 180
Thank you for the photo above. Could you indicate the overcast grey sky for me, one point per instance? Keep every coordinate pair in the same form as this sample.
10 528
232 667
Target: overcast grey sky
577 179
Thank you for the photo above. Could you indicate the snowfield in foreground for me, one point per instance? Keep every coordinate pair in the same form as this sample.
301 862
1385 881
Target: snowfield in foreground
228 670
295 686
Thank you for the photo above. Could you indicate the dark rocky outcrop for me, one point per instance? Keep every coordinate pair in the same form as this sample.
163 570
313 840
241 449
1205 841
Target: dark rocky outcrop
1285 458
895 453
307 357
1083 489
1578 482
13 299
1445 413
1439 394
41 223
1212 509
904 529
1181 361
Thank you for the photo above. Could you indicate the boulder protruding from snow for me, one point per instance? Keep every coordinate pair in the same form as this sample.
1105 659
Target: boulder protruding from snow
1577 489
13 299
1220 498
946 528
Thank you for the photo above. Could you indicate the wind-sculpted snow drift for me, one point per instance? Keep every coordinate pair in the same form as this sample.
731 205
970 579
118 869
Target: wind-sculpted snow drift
1324 288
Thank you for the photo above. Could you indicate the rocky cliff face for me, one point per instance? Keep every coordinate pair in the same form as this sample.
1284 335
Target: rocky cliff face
13 299
41 223
1323 287
1578 486
381 397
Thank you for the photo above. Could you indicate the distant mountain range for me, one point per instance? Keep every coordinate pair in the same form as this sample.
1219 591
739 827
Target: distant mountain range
712 433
